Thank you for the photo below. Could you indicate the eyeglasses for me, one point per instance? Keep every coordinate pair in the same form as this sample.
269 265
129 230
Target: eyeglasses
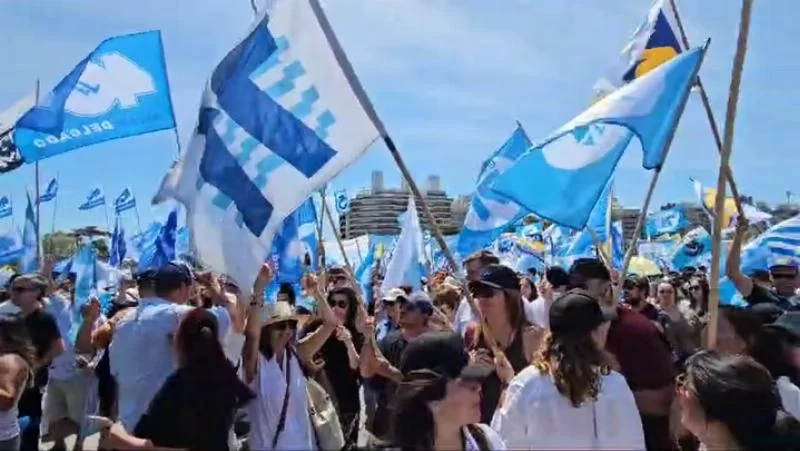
341 303
283 325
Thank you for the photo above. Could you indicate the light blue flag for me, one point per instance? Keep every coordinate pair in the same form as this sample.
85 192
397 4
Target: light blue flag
84 267
118 246
659 252
161 251
406 264
563 176
50 192
694 250
617 245
666 221
125 201
95 198
29 261
583 244
281 116
6 209
489 215
183 245
296 238
10 247
363 274
780 242
119 90
342 202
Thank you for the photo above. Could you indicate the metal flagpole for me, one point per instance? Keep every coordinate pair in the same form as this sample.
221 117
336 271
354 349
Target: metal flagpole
727 148
36 176
712 122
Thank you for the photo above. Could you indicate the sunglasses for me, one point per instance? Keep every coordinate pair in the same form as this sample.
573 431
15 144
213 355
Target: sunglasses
19 289
783 276
341 303
283 325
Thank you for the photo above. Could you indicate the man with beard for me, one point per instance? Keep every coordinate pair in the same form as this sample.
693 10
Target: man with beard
635 291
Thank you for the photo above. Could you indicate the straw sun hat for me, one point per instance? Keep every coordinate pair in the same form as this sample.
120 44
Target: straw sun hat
277 312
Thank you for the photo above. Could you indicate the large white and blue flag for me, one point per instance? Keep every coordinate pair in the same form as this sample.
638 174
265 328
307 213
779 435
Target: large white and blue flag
11 247
125 201
29 260
341 201
489 215
666 221
405 267
50 192
6 208
574 164
118 90
10 156
95 198
282 114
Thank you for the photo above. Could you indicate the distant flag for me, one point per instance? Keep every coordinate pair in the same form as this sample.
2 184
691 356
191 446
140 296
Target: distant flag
296 238
11 247
342 202
666 221
694 249
707 197
118 245
10 156
406 264
30 246
125 201
656 41
364 271
282 114
50 192
563 176
95 198
161 251
120 89
6 209
489 215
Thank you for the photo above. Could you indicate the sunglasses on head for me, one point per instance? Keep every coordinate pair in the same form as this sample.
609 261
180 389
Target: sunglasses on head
283 325
341 303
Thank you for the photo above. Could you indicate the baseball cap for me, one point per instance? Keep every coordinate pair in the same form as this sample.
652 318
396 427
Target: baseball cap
171 276
394 295
496 276
576 313
442 352
421 301
784 266
557 276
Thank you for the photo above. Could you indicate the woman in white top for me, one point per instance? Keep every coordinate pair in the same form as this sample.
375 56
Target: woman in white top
570 398
438 400
16 360
273 367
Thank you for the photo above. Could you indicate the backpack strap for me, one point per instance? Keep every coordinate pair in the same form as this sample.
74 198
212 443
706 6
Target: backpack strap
480 437
282 420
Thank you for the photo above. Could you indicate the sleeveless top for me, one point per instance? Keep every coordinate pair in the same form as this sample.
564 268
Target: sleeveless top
9 423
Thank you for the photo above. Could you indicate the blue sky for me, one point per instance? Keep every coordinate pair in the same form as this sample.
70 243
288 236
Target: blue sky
449 78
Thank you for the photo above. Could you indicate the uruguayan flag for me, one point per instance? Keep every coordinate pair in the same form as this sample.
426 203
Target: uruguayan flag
6 209
655 42
489 215
84 267
282 114
118 90
670 220
782 240
95 198
407 261
342 202
30 246
125 201
563 176
118 246
10 247
50 192
694 250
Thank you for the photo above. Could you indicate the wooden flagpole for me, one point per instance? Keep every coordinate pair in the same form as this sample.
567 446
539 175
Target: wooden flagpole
36 199
727 148
712 122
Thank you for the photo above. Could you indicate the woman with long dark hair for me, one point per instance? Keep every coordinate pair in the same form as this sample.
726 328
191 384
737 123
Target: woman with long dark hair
195 407
438 398
340 352
677 321
730 402
570 398
17 357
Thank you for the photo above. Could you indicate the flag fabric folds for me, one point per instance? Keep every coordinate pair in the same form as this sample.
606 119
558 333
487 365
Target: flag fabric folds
341 201
125 201
11 247
574 164
50 192
666 221
120 89
6 208
282 114
694 249
95 198
118 246
407 260
707 197
489 215
30 246
10 156
160 250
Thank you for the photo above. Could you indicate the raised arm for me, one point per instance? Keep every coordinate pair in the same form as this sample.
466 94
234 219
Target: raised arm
742 282
252 332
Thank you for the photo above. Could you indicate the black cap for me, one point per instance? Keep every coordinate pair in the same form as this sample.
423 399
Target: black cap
442 352
788 322
576 313
557 276
584 269
172 276
146 275
785 266
497 276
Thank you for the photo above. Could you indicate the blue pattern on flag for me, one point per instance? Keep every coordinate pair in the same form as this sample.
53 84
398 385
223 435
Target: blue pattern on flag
125 201
121 89
50 192
563 176
118 245
666 221
489 214
28 261
95 198
341 201
6 208
694 250
10 247
583 243
161 250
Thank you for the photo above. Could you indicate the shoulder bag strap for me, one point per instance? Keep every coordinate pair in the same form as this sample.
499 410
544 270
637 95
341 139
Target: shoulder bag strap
479 436
282 420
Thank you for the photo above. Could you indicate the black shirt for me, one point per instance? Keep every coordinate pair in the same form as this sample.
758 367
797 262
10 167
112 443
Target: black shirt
43 330
391 346
344 381
492 387
761 294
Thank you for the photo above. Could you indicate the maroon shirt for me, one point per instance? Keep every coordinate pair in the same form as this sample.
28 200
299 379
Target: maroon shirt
642 351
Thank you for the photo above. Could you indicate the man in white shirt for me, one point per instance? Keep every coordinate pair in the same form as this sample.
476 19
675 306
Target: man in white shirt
552 286
141 351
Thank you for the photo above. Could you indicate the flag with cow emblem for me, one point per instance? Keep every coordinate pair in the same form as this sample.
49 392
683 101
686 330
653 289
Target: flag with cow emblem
120 89
125 201
6 209
281 115
95 198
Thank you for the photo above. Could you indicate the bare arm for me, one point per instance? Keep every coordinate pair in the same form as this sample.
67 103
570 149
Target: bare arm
742 283
13 372
312 343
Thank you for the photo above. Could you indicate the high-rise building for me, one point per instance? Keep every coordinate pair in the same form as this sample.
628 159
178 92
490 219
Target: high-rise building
376 210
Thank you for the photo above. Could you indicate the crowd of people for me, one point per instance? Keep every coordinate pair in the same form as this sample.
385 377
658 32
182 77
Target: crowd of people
571 358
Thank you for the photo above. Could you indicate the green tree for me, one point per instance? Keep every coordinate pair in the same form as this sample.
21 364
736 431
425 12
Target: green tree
101 246
59 244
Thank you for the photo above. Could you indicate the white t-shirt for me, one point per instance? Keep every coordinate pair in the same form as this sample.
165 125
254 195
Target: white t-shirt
536 416
494 440
463 317
790 396
537 312
63 367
